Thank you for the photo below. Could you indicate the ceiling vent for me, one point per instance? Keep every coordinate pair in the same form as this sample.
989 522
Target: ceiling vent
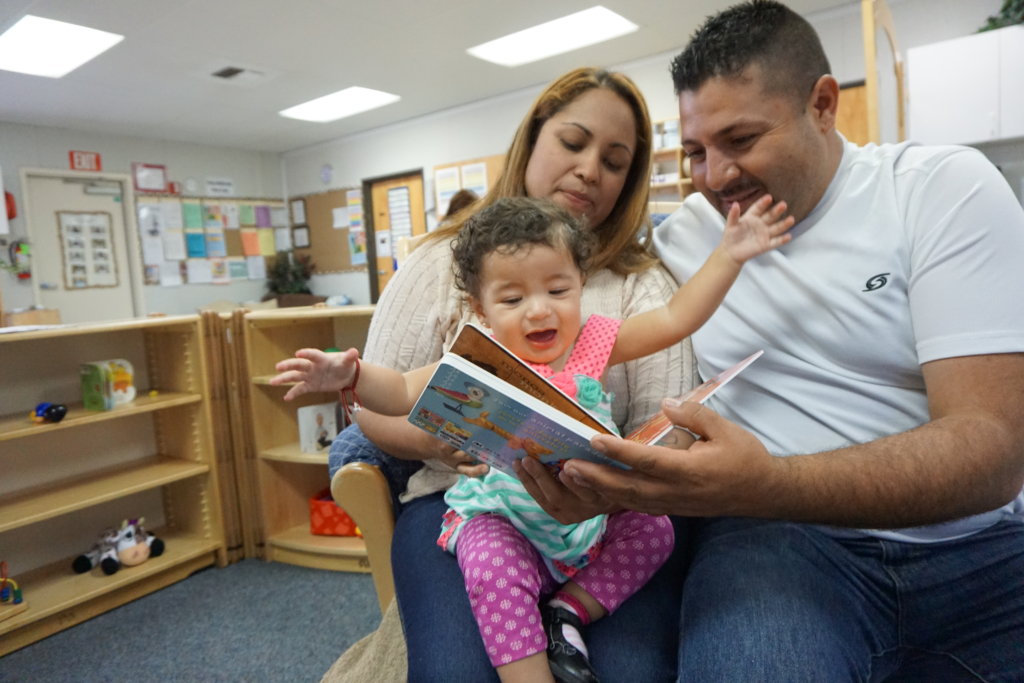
228 72
237 75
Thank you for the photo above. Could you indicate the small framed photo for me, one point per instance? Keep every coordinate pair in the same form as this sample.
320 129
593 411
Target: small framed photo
298 211
300 236
149 177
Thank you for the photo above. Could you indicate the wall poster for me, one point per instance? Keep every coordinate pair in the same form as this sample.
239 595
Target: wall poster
87 248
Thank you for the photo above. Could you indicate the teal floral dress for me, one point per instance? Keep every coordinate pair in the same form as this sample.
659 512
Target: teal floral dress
566 548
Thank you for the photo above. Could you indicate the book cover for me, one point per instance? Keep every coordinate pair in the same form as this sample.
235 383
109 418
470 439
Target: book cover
318 425
496 423
485 401
479 348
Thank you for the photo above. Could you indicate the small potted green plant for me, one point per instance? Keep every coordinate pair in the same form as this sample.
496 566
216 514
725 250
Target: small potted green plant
1012 12
288 280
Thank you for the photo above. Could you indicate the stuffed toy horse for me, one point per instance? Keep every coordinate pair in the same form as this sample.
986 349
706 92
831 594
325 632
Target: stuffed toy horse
128 546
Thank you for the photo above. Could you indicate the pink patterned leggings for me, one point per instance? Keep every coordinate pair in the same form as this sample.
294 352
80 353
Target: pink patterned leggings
506 577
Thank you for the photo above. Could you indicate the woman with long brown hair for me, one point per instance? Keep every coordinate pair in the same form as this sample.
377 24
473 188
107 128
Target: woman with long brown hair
585 144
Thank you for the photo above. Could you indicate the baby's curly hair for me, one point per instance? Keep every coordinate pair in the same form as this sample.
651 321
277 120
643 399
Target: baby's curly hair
510 224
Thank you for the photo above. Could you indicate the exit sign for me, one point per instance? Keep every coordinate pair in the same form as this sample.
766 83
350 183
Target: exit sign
85 161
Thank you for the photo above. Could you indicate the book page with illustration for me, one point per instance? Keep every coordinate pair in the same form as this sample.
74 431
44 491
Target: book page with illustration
484 400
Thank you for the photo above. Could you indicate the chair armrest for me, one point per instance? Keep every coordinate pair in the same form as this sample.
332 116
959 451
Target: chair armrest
362 489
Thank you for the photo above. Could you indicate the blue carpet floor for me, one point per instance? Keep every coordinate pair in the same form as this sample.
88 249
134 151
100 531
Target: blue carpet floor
251 621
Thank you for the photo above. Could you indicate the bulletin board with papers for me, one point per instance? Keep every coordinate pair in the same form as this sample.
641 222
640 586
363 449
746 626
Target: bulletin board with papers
333 232
209 240
477 175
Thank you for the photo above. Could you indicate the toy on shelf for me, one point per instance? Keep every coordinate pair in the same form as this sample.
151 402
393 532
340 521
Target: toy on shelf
107 383
11 600
128 546
48 412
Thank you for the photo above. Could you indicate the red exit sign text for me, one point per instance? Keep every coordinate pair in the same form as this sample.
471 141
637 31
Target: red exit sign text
85 161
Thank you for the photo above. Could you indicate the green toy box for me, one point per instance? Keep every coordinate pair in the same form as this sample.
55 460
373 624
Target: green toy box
107 383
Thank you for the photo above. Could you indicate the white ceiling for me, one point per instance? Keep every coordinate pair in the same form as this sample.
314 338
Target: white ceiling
156 83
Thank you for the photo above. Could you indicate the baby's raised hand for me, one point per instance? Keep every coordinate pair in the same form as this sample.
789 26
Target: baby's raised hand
764 226
314 370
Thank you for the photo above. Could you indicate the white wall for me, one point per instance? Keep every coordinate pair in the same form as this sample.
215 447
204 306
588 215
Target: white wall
255 174
478 129
486 127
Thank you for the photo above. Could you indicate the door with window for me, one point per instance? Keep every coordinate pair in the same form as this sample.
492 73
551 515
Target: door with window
85 254
396 211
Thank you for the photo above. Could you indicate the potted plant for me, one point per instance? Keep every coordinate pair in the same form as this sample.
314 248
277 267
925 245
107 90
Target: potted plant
1012 12
288 280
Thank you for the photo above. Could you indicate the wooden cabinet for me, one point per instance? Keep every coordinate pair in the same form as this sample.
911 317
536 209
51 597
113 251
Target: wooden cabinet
967 90
286 477
63 483
669 175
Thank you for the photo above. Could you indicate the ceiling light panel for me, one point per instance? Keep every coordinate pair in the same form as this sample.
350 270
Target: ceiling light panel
51 48
591 26
338 105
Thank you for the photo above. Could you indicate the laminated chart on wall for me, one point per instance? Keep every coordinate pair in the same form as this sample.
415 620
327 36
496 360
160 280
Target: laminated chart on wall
263 216
238 268
266 240
400 212
212 216
195 243
151 229
231 213
278 217
356 229
247 216
192 214
282 239
446 184
257 266
474 177
199 271
87 249
215 246
250 242
219 271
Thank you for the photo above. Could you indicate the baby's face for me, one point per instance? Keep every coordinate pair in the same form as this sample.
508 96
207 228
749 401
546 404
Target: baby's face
531 301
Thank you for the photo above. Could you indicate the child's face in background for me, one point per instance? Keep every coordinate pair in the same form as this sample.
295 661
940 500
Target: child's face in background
531 301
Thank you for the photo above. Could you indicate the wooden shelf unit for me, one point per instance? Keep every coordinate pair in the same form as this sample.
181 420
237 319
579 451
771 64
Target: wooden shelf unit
286 478
157 449
669 181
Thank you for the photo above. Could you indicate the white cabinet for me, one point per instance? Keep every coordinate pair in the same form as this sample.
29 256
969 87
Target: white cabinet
967 90
1011 81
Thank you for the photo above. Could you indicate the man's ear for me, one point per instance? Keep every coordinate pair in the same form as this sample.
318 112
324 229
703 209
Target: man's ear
824 102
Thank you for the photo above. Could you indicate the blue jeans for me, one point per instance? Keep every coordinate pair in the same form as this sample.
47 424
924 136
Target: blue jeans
637 643
775 601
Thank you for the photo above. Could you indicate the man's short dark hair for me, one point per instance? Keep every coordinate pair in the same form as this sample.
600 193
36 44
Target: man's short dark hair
762 32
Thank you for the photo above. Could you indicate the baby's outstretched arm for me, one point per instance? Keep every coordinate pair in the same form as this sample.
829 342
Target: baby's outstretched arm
762 227
313 370
380 389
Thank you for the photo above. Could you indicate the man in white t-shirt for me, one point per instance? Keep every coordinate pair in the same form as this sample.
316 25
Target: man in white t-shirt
890 541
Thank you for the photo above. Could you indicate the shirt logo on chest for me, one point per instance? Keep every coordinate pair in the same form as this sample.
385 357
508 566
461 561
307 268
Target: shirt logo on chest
876 282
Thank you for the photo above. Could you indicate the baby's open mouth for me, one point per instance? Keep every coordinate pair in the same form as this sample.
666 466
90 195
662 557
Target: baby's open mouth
541 337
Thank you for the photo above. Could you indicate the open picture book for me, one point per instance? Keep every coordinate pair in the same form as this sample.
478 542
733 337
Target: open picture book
485 401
